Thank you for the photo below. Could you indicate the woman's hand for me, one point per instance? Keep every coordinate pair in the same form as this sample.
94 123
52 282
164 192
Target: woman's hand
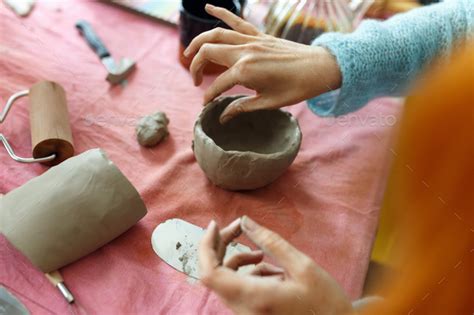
281 72
298 287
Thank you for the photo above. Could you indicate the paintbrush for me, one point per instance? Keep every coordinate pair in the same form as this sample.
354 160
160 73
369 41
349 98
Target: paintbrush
57 280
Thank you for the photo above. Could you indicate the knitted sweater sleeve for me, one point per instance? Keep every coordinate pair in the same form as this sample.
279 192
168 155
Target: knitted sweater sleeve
382 58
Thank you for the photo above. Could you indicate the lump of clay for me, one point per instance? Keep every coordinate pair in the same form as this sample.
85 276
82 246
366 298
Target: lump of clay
250 151
152 129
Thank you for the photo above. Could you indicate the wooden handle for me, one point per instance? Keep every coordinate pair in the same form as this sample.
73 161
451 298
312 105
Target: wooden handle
49 119
54 277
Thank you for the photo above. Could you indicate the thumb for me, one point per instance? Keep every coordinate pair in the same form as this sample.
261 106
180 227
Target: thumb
292 260
242 105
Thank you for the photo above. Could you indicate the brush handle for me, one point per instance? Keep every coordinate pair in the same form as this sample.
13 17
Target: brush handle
92 38
54 277
57 280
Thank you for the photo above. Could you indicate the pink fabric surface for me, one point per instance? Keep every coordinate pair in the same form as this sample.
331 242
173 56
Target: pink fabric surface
326 204
28 284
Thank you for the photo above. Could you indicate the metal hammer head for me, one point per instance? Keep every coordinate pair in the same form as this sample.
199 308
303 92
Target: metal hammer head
120 70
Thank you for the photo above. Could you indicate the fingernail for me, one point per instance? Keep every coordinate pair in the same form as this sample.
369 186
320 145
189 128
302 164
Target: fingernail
248 224
225 119
186 52
211 224
235 222
209 6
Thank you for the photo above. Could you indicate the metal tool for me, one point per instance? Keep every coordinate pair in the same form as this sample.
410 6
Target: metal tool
4 140
116 71
57 280
51 136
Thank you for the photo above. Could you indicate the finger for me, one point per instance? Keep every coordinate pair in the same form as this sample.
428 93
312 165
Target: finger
227 235
230 232
242 105
216 53
265 269
292 260
208 259
216 35
279 277
229 18
244 259
225 282
222 83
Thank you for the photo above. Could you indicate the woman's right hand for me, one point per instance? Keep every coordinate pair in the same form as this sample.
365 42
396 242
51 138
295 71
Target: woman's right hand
297 286
281 72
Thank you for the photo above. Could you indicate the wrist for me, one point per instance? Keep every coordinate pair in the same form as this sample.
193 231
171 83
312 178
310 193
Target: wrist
327 74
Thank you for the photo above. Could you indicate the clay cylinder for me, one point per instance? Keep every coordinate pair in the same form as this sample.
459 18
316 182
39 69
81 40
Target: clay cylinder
49 120
70 211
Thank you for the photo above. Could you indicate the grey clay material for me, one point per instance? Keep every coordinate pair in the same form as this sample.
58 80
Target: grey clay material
70 211
250 151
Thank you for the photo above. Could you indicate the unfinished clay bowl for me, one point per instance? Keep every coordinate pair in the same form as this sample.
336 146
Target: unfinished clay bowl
250 151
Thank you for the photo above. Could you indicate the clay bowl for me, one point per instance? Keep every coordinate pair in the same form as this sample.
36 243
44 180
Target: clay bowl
248 152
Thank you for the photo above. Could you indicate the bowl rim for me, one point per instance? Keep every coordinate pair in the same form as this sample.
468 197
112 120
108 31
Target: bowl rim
275 155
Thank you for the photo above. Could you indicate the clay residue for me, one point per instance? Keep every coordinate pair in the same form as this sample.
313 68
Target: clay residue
188 257
152 129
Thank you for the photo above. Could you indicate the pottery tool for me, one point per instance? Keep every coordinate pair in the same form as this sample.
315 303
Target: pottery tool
116 71
57 280
177 242
10 305
51 135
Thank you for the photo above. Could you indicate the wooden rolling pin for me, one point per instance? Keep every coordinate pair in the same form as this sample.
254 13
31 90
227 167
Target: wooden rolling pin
49 120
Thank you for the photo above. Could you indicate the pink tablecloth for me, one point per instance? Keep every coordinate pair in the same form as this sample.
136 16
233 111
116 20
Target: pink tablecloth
326 204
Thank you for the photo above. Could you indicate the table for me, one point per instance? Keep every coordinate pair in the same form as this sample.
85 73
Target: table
327 203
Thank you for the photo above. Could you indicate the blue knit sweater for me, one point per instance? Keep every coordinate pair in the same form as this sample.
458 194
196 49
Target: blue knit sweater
383 58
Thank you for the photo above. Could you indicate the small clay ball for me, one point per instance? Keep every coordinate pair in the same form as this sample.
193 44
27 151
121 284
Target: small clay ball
152 129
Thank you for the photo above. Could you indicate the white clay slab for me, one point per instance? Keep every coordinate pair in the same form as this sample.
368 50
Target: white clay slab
177 242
